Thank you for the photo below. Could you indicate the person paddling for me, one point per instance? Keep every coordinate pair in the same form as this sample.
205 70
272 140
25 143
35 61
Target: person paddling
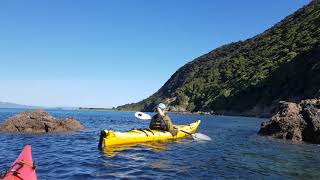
161 121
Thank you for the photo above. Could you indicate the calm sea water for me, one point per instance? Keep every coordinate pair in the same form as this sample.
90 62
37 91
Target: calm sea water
236 151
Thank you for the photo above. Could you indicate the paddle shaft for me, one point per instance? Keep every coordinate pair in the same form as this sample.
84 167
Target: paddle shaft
195 137
139 114
186 132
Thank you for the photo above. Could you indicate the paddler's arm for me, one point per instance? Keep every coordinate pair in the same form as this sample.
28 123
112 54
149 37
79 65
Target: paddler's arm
162 114
168 122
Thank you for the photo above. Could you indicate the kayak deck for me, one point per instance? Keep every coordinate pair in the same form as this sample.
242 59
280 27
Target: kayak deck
110 138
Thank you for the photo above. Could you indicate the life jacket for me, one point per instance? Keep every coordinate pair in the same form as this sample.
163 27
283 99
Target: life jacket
158 123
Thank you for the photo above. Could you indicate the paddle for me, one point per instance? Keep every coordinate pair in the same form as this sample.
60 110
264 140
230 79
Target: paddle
143 116
195 136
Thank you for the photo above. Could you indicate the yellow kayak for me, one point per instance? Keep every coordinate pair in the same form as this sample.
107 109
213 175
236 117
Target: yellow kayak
111 138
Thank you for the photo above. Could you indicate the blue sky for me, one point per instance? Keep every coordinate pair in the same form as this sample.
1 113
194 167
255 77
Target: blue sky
107 53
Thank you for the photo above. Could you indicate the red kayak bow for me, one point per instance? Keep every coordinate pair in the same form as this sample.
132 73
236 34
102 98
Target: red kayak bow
23 168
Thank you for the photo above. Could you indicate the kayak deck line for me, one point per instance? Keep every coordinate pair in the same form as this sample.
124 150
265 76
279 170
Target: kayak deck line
14 170
22 168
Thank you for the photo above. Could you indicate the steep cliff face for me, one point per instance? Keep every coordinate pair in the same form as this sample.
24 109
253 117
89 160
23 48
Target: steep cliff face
249 77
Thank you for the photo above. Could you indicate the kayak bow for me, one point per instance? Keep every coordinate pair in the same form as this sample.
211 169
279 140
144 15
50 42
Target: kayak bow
23 168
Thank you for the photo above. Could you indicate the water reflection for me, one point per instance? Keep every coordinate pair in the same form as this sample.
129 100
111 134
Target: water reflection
161 164
111 151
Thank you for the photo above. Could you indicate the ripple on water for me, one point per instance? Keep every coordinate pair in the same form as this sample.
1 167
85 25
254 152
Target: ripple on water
236 151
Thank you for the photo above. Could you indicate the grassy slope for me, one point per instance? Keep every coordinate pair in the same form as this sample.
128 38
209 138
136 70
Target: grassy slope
248 77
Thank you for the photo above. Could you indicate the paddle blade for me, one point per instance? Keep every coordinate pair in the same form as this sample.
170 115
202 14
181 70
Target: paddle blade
201 137
143 116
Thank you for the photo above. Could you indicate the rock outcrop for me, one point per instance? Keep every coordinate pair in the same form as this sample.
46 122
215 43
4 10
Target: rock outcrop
39 121
298 122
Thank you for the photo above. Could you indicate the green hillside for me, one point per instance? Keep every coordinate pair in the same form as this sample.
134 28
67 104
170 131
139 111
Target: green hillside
249 77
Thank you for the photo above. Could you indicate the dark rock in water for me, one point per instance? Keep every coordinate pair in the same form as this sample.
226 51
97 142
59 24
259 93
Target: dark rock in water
298 122
311 115
39 121
285 124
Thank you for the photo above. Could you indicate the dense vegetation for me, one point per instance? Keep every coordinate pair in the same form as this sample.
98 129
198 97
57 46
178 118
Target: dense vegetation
249 77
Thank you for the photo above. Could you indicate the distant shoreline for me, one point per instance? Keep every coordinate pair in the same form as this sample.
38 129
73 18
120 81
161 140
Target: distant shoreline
117 110
98 109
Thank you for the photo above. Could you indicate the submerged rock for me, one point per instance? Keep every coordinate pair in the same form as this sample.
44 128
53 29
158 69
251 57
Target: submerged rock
39 121
298 122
